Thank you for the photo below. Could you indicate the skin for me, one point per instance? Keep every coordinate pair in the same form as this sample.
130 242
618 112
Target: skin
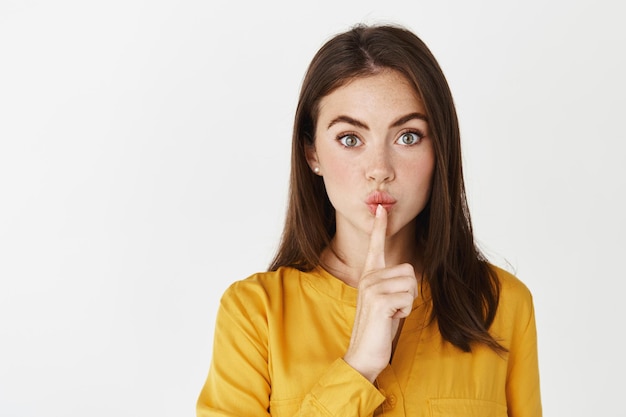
372 137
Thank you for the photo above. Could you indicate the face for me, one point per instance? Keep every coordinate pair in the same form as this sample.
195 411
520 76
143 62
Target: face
372 146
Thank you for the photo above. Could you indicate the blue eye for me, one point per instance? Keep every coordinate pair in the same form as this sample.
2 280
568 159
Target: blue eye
409 138
349 141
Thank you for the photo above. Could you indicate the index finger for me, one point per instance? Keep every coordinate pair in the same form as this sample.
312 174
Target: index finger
376 252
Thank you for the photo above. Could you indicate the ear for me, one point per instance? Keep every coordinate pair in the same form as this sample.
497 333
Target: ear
311 157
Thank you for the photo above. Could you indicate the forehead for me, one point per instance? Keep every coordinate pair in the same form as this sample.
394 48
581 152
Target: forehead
384 94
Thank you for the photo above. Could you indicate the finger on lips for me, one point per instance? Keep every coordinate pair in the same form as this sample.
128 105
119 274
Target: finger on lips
376 251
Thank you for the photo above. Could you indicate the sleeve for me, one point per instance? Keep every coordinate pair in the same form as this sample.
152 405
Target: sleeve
341 392
239 382
522 390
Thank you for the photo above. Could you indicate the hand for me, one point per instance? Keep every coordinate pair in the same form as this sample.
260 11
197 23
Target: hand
385 297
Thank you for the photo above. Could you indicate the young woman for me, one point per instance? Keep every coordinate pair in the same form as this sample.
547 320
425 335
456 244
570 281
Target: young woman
377 302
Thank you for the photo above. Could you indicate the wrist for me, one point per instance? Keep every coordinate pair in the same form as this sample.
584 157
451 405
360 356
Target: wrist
368 372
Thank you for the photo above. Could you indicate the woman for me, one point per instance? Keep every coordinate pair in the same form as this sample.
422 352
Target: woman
377 302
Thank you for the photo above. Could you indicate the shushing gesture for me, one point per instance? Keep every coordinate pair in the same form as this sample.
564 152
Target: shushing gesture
385 297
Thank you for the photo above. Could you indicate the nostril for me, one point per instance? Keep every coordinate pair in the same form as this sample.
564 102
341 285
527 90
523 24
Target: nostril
381 173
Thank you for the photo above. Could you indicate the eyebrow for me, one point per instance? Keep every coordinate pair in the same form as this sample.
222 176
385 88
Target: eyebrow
355 122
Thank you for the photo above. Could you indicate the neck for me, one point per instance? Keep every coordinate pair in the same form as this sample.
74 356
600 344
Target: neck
345 256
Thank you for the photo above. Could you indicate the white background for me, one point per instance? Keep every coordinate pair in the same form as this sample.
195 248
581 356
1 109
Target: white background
144 150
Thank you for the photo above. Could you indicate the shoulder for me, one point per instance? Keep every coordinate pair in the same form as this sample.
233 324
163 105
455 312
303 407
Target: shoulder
515 298
511 286
258 289
249 305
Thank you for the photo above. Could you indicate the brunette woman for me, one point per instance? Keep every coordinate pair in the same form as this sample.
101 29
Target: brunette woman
378 301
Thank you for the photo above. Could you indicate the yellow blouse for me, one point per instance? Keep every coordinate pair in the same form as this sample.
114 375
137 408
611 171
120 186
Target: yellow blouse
280 338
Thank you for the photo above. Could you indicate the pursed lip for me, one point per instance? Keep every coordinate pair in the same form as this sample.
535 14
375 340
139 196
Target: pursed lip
382 198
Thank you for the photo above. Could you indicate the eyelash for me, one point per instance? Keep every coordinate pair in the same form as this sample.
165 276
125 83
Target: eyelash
341 138
415 132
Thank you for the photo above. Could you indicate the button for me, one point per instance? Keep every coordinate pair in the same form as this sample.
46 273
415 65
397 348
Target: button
391 401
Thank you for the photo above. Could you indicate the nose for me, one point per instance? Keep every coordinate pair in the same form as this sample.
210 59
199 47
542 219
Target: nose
380 166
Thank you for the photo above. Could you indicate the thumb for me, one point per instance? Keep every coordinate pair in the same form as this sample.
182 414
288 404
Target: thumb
376 252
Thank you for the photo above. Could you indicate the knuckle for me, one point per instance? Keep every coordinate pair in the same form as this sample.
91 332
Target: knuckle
407 269
366 282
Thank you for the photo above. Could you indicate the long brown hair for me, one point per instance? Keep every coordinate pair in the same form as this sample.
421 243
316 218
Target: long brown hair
464 289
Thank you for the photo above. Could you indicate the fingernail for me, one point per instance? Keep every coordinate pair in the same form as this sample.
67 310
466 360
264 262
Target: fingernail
379 209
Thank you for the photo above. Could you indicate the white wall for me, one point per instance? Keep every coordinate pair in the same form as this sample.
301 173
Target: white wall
144 149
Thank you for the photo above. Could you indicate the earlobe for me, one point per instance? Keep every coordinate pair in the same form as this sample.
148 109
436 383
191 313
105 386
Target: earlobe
311 158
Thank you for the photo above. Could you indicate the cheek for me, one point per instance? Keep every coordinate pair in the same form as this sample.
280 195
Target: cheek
427 171
422 173
427 168
340 180
334 164
336 172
